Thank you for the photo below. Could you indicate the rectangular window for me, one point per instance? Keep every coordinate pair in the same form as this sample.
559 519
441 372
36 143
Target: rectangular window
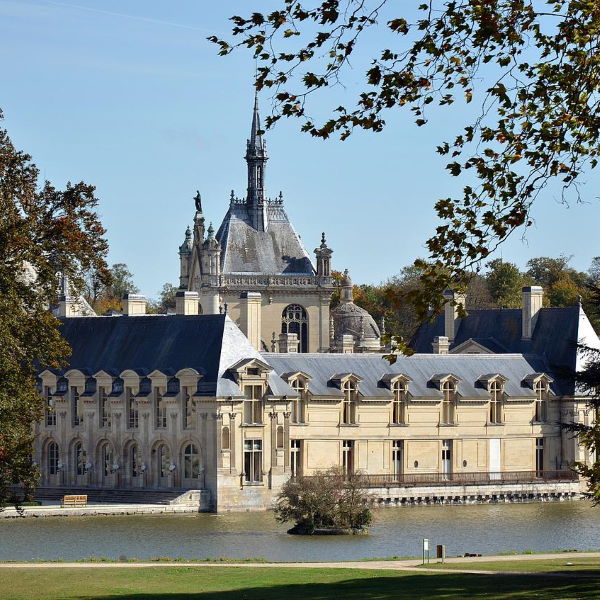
397 457
348 456
296 457
76 417
446 459
104 408
50 413
132 409
539 457
253 411
160 410
253 461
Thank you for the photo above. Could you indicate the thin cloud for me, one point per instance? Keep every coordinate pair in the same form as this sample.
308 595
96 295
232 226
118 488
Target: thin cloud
127 16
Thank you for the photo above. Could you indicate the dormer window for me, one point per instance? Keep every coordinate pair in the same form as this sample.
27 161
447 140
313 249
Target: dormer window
350 391
448 389
298 405
541 388
496 389
400 391
253 404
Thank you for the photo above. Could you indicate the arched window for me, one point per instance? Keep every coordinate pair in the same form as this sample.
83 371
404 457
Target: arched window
79 459
279 437
448 402
294 320
225 444
496 395
298 412
400 390
349 389
52 458
164 460
106 459
133 457
191 462
541 401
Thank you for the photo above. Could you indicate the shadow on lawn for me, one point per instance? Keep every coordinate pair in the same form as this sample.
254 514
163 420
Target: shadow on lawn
447 587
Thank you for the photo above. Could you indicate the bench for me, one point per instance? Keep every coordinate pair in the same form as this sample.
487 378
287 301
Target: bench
74 500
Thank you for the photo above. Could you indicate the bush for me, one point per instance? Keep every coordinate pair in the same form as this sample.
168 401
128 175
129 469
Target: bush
326 502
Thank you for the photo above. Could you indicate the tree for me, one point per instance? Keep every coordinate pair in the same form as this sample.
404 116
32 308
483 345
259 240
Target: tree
505 282
166 299
328 500
594 270
588 383
532 67
43 230
106 294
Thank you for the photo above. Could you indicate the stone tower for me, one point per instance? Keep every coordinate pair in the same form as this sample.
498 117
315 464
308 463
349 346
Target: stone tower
256 268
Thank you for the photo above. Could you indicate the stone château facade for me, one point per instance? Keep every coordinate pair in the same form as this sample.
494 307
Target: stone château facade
266 384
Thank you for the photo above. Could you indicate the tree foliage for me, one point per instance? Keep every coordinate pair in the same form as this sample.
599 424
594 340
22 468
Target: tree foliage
588 384
43 230
532 66
327 500
106 293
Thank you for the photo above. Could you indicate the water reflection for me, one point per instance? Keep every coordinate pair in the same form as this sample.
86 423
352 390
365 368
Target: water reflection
483 529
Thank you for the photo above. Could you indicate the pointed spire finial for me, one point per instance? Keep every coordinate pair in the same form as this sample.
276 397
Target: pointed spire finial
188 233
211 232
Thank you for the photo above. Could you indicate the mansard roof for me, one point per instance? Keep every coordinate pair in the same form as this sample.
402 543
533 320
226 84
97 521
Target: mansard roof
276 251
555 337
210 344
419 369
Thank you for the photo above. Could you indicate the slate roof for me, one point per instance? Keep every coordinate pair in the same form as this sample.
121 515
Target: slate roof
554 339
420 368
208 343
276 251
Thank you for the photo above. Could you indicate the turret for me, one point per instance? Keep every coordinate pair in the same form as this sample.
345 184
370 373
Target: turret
323 254
346 291
185 254
211 255
256 158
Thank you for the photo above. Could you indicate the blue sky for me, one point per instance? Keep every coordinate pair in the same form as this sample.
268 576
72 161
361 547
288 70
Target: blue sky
130 97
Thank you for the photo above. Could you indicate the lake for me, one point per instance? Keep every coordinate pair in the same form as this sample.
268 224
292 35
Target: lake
485 529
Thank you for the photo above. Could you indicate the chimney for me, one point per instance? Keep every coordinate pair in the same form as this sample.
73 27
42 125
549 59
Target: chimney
134 304
347 343
250 319
533 298
68 307
186 303
441 344
451 313
288 342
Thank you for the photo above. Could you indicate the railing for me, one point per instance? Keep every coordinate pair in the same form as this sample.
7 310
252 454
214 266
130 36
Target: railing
471 478
274 280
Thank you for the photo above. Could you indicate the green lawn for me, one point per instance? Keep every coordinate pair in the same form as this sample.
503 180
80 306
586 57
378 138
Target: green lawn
547 565
247 583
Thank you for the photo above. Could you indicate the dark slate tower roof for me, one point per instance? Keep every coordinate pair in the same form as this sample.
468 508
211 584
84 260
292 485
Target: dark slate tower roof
256 235
276 251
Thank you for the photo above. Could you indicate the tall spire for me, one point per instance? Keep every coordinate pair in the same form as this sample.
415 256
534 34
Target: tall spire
256 158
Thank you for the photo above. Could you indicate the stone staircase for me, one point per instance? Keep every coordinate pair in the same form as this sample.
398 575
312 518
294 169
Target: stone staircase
110 496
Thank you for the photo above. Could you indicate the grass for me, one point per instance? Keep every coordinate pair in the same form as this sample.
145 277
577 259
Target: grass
246 583
545 565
